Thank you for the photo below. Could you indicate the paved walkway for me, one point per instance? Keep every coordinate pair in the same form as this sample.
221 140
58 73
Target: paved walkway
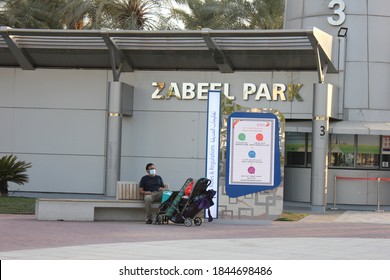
341 235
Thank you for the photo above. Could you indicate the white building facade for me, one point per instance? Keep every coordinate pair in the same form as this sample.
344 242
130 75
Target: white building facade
55 111
358 146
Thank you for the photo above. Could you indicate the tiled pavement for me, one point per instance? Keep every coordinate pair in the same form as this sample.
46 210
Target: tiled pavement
338 235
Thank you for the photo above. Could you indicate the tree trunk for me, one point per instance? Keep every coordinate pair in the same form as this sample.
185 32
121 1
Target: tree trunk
4 189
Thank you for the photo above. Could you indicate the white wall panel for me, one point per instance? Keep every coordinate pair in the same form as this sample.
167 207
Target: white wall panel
369 115
293 24
304 14
62 173
379 8
356 89
378 39
76 89
306 92
297 184
161 134
316 14
59 131
293 10
7 84
316 8
7 129
320 7
379 97
174 171
357 38
356 7
202 132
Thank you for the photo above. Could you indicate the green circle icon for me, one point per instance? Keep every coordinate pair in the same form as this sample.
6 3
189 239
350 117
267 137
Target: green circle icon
242 136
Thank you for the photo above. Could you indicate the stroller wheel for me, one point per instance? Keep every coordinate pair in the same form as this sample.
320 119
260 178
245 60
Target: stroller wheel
197 221
188 222
157 220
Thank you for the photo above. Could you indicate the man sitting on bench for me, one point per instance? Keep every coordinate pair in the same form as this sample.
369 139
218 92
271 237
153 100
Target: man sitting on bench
152 187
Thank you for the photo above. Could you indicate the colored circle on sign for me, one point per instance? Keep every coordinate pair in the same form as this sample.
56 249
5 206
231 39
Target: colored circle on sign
259 137
242 136
251 170
252 154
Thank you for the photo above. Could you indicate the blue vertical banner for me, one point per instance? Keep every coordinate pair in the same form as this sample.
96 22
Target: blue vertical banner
252 153
212 144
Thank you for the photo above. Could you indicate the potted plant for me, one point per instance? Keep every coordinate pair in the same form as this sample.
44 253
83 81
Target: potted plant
12 170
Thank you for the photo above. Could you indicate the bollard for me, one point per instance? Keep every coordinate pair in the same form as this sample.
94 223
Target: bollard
334 193
377 196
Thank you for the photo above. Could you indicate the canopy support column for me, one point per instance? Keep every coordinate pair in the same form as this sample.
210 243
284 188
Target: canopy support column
120 104
322 104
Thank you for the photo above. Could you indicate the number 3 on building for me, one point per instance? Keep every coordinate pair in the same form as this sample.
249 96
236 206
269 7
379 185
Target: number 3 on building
322 130
338 7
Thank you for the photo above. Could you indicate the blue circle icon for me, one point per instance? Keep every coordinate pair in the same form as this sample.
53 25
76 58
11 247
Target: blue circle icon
252 154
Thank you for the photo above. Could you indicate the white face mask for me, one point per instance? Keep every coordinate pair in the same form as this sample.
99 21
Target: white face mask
152 172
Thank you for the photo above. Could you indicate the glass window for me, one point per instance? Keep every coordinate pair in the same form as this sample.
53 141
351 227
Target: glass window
295 148
368 151
342 150
345 150
385 152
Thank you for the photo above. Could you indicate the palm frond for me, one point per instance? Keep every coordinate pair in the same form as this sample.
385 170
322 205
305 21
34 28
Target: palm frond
12 170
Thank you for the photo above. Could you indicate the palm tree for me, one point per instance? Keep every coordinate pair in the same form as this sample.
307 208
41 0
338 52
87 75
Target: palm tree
227 14
113 14
31 13
132 14
214 14
82 14
266 14
76 14
13 171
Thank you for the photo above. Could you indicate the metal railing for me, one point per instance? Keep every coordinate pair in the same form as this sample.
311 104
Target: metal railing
377 179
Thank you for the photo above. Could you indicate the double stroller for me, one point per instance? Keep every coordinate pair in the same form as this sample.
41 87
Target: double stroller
183 206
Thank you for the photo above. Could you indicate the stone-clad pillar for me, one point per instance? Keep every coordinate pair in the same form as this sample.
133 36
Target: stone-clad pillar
114 138
319 163
120 104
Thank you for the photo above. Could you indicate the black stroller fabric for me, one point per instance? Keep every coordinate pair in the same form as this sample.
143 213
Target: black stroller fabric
179 208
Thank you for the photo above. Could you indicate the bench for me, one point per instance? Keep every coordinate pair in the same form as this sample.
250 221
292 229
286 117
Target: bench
128 206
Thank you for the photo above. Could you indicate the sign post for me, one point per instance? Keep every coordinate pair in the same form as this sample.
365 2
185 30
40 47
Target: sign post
212 145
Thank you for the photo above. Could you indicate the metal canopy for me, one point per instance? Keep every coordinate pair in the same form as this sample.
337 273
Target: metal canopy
209 50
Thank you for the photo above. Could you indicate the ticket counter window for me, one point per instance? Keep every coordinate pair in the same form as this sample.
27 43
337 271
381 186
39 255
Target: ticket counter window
385 152
368 151
295 149
342 150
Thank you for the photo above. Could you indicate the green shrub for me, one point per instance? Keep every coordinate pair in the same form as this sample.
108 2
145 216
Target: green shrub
17 205
12 170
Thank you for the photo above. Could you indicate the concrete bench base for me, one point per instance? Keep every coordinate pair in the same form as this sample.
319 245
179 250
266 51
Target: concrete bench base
90 210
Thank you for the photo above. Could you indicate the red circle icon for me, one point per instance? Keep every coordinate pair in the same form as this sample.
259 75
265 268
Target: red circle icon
259 137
